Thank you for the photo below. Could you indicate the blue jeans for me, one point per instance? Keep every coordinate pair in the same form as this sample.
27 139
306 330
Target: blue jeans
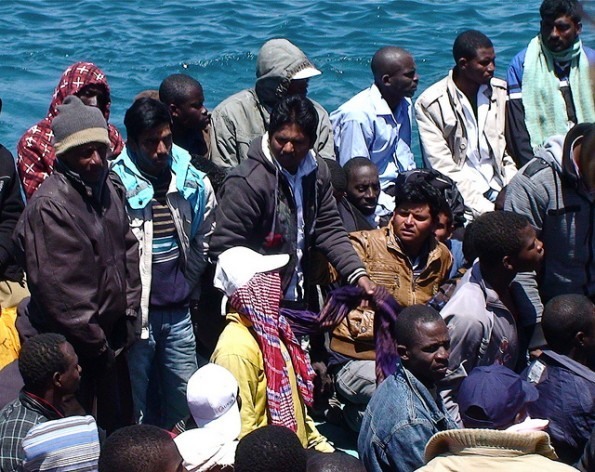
355 383
161 366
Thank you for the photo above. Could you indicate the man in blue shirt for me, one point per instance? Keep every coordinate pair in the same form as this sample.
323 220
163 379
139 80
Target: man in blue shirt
376 123
405 411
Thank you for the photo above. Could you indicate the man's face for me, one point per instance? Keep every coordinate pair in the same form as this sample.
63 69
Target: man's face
560 33
192 114
413 224
427 357
363 189
480 69
403 79
172 460
70 379
94 95
152 149
444 228
289 145
531 255
89 161
298 87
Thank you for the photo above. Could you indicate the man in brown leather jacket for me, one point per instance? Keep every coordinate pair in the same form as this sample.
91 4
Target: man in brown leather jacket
404 257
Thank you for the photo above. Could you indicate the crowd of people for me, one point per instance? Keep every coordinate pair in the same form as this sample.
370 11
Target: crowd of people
202 295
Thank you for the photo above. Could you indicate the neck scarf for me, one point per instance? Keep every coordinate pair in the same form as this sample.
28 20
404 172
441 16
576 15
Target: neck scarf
545 108
259 300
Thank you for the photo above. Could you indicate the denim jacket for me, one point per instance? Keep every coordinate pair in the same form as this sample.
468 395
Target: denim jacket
400 419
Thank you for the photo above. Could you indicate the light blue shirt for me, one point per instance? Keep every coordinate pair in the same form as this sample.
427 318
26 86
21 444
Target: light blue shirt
365 126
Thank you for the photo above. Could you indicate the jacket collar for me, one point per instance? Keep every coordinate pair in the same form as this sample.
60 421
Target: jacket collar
462 441
394 245
139 190
569 364
39 405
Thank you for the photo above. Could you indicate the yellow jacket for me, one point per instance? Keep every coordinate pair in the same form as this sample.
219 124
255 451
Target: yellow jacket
238 351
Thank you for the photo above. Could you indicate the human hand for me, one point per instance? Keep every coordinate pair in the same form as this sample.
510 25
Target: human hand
366 284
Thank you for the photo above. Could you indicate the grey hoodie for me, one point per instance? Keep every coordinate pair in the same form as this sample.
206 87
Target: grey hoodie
245 115
549 191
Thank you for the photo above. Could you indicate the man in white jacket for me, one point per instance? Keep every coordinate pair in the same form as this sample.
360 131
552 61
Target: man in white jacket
461 122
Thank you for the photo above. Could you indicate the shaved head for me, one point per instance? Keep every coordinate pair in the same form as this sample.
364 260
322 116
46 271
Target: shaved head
394 74
387 59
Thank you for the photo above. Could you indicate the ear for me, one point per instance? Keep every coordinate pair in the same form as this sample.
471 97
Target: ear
508 263
403 352
57 379
386 79
579 27
462 63
173 110
579 339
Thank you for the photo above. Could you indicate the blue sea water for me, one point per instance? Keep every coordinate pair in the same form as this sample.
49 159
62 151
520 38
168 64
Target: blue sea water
138 43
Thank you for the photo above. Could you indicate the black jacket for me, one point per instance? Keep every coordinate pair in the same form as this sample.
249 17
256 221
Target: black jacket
81 260
11 207
257 210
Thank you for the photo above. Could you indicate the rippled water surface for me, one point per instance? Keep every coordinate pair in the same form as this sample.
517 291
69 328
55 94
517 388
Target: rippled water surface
138 43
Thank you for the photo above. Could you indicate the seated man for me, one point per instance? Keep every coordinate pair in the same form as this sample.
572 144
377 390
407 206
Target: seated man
407 260
35 150
190 120
50 371
361 195
562 375
376 123
549 82
461 124
481 315
271 448
259 348
405 412
558 201
140 448
282 70
495 400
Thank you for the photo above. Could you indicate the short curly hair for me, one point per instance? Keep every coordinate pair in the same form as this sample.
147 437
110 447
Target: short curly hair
270 448
497 234
138 448
39 359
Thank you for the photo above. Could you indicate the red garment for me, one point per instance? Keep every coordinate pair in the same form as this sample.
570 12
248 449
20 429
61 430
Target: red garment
259 300
35 150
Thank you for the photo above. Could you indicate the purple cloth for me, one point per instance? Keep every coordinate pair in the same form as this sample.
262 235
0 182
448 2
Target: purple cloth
338 304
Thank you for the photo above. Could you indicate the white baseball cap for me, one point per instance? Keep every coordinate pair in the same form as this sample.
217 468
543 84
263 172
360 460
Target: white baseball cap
237 265
212 395
306 73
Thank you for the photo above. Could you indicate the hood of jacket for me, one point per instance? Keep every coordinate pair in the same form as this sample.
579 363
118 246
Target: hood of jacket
570 170
278 61
551 151
73 79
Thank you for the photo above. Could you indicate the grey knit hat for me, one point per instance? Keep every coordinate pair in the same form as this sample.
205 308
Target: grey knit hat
78 124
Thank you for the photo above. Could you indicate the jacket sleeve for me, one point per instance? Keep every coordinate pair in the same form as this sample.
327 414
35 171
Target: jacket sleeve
133 281
51 240
246 374
325 145
517 135
405 449
223 140
439 156
199 245
237 215
330 235
11 206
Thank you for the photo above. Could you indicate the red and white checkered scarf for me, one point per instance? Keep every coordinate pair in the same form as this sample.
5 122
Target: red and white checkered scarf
259 301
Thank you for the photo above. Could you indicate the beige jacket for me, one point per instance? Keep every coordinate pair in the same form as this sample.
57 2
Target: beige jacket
443 137
387 265
491 450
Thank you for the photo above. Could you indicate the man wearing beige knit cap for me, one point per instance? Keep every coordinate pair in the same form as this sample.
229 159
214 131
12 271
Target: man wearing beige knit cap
81 259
